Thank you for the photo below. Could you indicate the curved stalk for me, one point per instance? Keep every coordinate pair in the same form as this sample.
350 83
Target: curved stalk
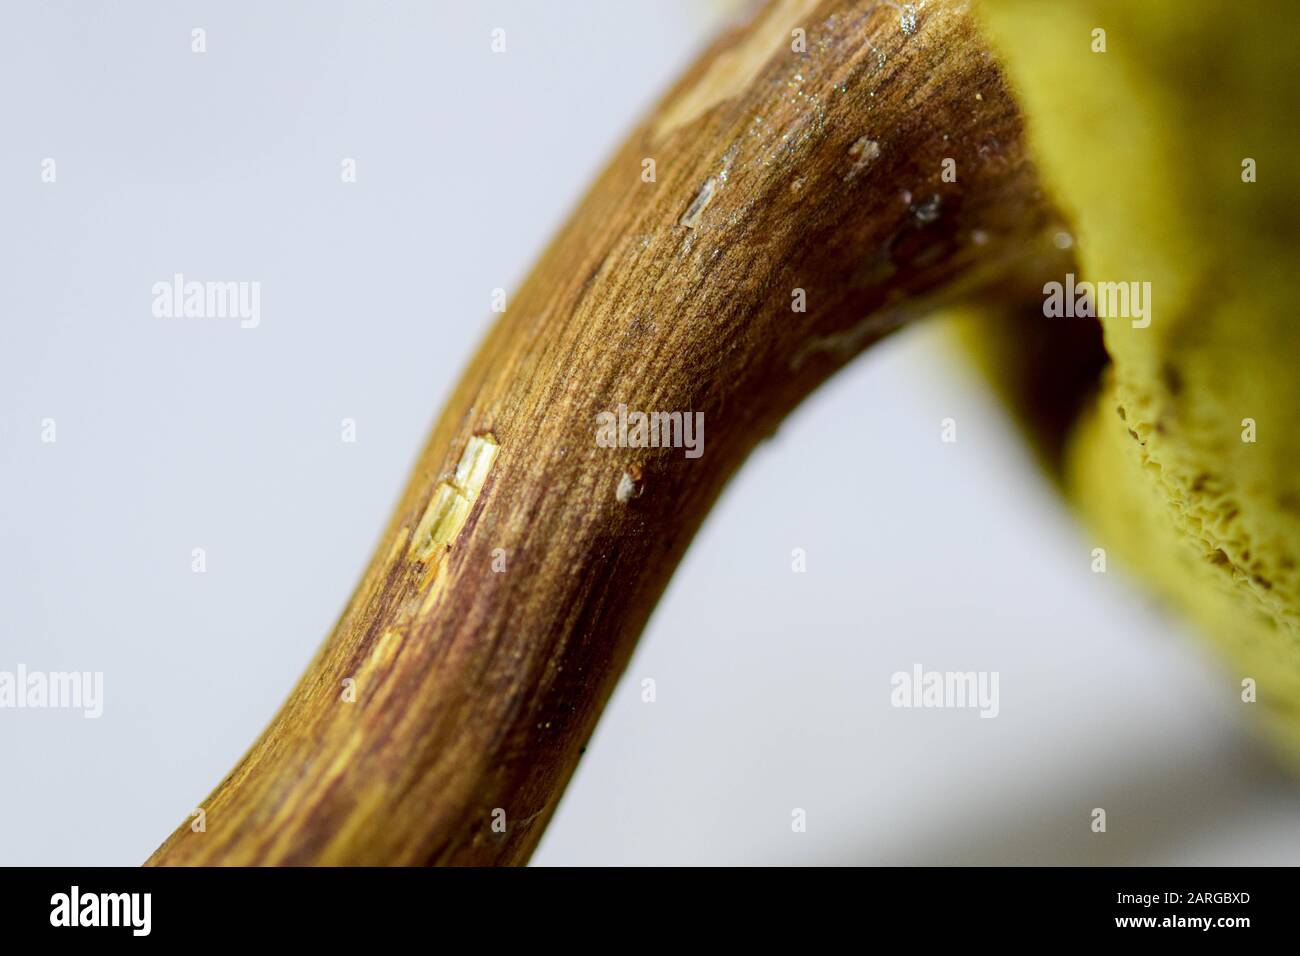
524 556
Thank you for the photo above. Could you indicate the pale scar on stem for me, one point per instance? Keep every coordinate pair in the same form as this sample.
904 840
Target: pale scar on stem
450 504
734 69
380 658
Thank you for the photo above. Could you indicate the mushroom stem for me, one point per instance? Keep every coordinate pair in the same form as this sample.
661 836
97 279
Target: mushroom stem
819 177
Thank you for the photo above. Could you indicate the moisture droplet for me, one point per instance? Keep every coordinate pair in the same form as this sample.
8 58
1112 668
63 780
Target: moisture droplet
696 207
864 152
1063 240
907 18
928 211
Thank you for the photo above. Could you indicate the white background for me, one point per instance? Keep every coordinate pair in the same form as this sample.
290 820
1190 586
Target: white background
773 687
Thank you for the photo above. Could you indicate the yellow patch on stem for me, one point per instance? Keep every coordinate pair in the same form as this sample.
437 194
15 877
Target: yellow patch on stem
450 504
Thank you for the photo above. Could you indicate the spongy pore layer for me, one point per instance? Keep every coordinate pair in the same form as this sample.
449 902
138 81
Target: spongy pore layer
1167 138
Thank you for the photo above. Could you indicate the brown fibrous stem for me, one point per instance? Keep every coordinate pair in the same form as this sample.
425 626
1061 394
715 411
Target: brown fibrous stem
524 557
